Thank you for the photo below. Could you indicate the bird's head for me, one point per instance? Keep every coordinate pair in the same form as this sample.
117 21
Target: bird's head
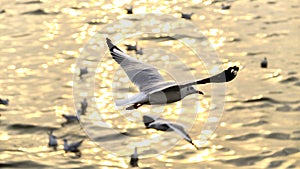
191 90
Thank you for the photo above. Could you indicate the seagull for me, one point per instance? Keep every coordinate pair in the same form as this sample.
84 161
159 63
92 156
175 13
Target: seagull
139 52
264 63
129 10
84 105
225 7
83 71
134 158
73 147
52 140
131 47
164 125
187 16
4 102
152 86
70 119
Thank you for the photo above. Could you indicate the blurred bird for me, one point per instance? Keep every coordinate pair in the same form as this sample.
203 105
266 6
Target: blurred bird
52 140
2 11
264 63
84 105
225 7
139 52
83 71
73 147
4 102
69 119
129 10
187 16
163 125
131 47
134 159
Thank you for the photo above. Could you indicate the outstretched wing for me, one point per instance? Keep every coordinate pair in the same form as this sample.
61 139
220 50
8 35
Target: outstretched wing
141 74
224 76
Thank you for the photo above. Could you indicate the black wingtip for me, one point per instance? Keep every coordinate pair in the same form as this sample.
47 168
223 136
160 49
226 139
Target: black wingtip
109 43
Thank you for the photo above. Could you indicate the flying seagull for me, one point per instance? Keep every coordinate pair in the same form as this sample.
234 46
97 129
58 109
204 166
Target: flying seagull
134 159
164 125
152 86
83 71
73 147
129 10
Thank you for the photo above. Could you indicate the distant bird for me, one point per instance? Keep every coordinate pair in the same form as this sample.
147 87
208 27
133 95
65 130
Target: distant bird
164 125
83 71
139 51
264 63
69 119
225 7
4 102
2 11
129 10
152 86
134 158
131 47
84 105
187 16
52 140
73 147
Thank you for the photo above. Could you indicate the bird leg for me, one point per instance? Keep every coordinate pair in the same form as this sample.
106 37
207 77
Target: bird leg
134 106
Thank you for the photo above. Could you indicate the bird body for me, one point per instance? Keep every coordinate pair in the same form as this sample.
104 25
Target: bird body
83 71
264 63
134 159
52 140
73 147
84 105
187 16
4 102
153 88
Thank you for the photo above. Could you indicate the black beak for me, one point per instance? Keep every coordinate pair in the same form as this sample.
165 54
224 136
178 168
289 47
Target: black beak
200 92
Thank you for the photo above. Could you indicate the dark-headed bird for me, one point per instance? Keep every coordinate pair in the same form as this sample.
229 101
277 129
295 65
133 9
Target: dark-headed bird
164 125
154 90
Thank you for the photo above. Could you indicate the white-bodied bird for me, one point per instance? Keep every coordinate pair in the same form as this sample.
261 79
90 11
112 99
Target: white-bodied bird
153 88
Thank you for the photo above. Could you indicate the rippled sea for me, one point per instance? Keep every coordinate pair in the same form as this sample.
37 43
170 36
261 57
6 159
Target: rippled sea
41 42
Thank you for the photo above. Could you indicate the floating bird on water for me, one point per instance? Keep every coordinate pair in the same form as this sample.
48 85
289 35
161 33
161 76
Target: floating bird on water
52 140
153 88
83 71
131 47
264 63
70 119
129 10
4 102
84 105
73 147
164 125
225 7
187 16
134 159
